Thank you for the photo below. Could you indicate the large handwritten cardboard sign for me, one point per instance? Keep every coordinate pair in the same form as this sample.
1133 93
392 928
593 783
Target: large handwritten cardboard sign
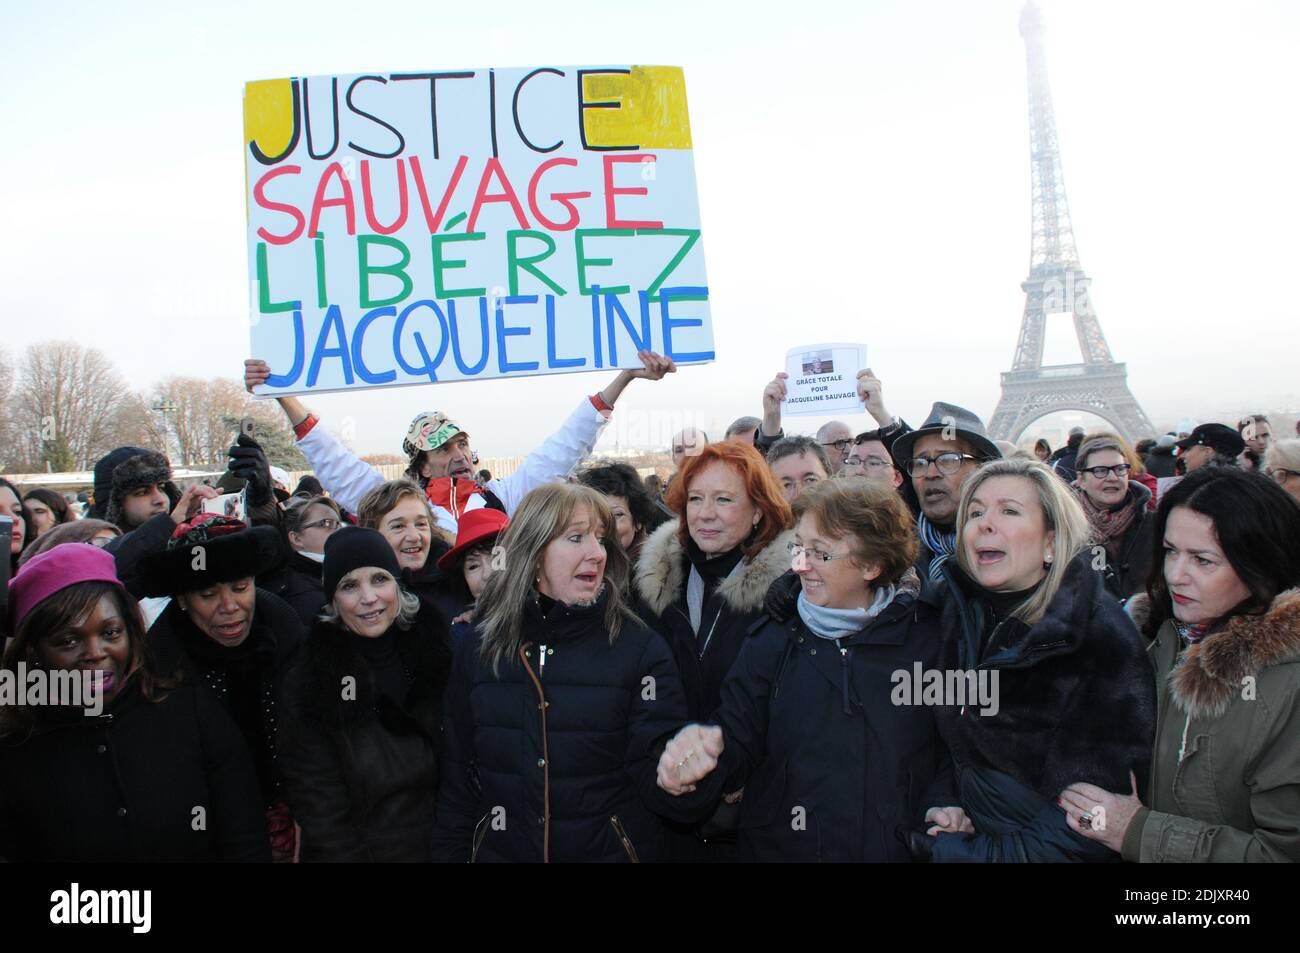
413 227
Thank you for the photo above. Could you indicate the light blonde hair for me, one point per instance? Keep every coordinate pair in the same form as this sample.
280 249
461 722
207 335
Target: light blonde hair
540 519
1062 515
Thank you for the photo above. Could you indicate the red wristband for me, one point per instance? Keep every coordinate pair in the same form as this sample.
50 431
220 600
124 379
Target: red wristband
599 403
301 430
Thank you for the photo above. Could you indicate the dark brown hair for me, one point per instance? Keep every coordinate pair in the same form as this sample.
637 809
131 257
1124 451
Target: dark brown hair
1257 524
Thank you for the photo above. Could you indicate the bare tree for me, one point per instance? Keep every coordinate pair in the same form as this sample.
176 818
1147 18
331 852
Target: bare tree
11 456
204 415
67 405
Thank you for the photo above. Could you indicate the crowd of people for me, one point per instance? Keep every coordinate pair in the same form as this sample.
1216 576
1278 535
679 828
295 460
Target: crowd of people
909 644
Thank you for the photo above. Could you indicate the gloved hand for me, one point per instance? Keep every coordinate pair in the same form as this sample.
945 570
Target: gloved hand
249 463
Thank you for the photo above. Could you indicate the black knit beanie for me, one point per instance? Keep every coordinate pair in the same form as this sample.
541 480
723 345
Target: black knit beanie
354 547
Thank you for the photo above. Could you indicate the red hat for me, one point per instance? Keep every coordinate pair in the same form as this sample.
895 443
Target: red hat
474 527
55 570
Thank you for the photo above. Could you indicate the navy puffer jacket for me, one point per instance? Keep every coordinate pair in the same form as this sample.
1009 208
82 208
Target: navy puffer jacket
554 759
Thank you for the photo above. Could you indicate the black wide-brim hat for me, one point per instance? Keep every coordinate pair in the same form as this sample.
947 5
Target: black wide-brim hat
948 418
226 558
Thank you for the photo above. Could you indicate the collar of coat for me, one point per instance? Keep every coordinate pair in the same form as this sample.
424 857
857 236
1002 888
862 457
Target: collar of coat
661 572
1209 674
331 654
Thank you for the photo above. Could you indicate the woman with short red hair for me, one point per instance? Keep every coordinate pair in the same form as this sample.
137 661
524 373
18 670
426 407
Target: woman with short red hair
700 582
701 578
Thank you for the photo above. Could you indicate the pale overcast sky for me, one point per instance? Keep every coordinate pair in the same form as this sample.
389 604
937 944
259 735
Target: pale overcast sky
863 175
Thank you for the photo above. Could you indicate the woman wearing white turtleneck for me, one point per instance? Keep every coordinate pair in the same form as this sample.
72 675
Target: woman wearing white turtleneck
831 768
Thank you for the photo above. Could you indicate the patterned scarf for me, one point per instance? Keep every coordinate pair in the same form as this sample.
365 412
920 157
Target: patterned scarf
1191 634
1108 526
942 544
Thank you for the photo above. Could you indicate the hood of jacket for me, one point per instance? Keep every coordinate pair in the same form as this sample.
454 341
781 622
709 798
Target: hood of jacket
661 572
1209 673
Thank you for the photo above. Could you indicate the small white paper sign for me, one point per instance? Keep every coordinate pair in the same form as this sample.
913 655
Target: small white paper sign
823 379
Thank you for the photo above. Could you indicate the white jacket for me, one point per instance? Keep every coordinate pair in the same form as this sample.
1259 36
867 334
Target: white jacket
348 478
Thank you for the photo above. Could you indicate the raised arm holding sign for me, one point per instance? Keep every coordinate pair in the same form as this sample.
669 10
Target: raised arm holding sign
438 449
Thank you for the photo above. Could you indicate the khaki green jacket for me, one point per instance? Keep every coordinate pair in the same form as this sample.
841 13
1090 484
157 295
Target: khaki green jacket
1225 777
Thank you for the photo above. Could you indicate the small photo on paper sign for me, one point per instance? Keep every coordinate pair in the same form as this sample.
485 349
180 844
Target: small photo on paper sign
823 379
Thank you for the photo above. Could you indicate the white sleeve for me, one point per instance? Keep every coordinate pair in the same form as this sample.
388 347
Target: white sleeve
339 470
555 459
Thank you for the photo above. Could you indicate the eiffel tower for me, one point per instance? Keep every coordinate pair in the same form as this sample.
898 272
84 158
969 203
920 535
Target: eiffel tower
1057 284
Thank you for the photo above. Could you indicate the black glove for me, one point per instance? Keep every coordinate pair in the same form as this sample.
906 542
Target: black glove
782 596
249 463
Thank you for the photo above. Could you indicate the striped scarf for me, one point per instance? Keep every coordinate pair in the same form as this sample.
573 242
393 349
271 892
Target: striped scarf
942 544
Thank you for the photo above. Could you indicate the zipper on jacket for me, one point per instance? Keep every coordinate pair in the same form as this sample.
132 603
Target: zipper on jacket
546 758
541 661
844 676
480 832
626 841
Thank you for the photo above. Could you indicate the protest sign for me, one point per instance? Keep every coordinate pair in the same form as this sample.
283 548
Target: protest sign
823 379
413 227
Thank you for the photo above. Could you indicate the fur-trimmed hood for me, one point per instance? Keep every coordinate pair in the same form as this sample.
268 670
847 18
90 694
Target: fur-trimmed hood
660 576
1209 673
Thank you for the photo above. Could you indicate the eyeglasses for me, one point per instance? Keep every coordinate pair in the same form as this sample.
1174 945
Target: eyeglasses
796 551
948 463
1100 473
842 446
329 524
870 463
1280 475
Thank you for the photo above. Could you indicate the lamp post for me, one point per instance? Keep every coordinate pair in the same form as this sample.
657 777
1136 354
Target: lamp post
166 406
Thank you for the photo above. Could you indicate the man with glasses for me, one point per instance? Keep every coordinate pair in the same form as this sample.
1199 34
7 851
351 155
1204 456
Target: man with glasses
938 457
869 457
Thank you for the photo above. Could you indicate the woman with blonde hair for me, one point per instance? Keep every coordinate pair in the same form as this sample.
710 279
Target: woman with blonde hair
1071 689
558 701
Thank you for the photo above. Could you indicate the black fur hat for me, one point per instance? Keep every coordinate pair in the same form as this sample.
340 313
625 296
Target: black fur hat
143 469
208 550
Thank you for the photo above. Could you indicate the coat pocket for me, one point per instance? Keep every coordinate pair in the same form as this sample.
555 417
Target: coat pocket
1195 790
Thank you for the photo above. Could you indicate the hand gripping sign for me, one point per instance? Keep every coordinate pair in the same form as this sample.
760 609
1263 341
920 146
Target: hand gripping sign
447 225
823 379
